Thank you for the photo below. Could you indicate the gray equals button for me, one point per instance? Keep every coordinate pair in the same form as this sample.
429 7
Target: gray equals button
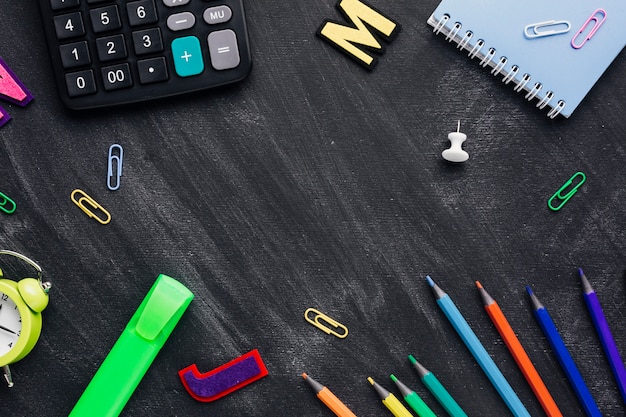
223 49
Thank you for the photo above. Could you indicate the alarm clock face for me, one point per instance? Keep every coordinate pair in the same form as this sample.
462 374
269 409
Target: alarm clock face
10 323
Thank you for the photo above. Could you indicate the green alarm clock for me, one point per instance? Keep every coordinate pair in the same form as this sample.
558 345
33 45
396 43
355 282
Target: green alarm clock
21 304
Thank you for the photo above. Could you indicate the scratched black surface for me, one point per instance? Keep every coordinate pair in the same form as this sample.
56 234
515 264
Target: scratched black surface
315 183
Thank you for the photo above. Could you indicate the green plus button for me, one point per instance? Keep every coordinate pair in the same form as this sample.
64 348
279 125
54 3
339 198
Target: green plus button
187 56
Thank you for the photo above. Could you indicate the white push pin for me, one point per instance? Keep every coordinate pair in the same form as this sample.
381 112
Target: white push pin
456 153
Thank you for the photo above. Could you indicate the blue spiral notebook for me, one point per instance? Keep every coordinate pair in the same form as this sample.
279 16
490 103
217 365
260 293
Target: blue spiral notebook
551 51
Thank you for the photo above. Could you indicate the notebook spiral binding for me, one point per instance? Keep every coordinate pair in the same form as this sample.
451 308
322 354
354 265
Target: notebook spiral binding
487 57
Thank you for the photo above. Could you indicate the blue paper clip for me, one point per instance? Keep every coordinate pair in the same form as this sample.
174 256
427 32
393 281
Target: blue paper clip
547 28
597 22
115 160
4 200
564 198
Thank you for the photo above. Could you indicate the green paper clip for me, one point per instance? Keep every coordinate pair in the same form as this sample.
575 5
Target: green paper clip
564 198
135 350
4 200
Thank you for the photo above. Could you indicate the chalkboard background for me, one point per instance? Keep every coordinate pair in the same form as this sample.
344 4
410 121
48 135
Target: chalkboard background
315 183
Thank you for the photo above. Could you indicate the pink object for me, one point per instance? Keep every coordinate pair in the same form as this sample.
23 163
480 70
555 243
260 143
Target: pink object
4 116
11 88
597 18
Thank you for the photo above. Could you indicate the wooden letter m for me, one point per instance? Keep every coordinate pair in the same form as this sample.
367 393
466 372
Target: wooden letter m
363 18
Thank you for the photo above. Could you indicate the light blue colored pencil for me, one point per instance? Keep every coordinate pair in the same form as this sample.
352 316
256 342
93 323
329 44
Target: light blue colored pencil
478 351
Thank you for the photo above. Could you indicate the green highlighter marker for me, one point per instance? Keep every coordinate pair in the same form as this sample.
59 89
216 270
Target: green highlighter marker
133 353
438 390
417 404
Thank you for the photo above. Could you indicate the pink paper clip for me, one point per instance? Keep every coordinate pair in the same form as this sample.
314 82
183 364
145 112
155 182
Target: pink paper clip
597 22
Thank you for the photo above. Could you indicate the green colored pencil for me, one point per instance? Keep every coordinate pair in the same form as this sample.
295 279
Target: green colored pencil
412 399
438 390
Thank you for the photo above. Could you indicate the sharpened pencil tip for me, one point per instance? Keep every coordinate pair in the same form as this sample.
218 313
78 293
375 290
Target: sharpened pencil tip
370 380
439 293
412 359
484 295
393 378
534 300
587 288
304 375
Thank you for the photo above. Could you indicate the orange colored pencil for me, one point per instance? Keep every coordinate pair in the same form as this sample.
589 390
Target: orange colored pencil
328 398
519 354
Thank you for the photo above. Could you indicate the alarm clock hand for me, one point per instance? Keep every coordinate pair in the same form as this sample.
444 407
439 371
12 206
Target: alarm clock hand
4 328
7 330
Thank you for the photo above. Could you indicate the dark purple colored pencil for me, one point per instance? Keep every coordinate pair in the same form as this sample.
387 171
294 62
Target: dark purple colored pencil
604 333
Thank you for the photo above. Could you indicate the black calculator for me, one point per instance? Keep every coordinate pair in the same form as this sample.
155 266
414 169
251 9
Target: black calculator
111 52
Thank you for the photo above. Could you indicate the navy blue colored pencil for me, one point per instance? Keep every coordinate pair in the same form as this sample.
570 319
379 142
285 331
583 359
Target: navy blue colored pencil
563 356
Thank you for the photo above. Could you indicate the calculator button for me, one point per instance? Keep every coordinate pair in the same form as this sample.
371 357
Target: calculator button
112 52
181 21
111 48
80 83
152 70
223 49
187 56
147 41
141 12
217 14
174 3
116 77
69 25
75 54
63 4
105 18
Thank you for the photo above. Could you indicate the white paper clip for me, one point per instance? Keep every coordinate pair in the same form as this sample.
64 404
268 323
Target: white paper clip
547 28
118 167
598 17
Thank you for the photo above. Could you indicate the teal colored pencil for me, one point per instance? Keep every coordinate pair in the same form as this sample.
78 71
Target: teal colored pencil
438 390
413 399
479 352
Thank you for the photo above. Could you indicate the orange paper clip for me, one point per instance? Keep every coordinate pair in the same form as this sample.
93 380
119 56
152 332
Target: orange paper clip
598 17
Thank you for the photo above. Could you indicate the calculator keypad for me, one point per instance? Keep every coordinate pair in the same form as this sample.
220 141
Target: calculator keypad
109 52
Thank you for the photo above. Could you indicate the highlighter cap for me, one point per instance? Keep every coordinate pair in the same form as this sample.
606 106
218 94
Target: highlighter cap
161 310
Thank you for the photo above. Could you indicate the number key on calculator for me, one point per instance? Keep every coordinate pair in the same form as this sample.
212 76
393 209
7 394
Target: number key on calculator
110 52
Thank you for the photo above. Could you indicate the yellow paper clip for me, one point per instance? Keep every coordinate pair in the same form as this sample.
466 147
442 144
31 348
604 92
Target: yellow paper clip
564 198
598 17
85 199
321 316
4 200
115 161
